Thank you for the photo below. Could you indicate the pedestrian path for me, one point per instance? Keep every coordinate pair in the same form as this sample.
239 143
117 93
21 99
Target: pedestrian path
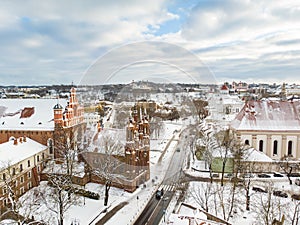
111 213
167 187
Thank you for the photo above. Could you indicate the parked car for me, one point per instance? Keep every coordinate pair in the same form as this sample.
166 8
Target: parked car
228 175
259 189
280 194
275 174
247 175
296 197
294 175
263 175
297 181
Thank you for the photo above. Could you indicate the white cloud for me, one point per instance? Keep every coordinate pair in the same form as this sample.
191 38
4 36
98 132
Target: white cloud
55 41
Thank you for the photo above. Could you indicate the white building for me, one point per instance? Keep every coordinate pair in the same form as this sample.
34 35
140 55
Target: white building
223 107
272 127
21 160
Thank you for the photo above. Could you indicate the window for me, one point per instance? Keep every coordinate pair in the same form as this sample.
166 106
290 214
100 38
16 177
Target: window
50 145
22 190
246 142
4 202
29 174
38 158
21 179
43 155
4 176
261 146
4 190
21 167
290 148
275 146
28 163
38 168
13 171
29 185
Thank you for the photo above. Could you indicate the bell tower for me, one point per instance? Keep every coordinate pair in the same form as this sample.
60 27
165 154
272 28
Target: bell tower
58 114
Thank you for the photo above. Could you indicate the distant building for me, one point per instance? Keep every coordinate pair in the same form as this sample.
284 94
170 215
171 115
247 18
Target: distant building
222 106
21 160
272 127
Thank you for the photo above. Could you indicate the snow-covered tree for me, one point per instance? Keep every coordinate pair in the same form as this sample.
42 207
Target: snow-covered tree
107 164
19 209
288 165
269 208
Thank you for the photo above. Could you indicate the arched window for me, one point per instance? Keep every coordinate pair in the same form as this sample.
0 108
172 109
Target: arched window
246 142
50 145
290 148
261 146
275 146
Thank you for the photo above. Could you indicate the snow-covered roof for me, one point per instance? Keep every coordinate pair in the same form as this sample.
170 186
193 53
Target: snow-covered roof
11 153
28 114
268 115
253 155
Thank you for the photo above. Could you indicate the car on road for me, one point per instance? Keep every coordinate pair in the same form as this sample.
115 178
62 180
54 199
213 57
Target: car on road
159 193
177 149
263 175
297 181
280 194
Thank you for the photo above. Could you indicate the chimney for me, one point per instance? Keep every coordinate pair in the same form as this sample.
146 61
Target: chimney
15 141
24 138
21 139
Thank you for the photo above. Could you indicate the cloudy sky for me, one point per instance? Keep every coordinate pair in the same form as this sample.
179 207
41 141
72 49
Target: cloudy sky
58 42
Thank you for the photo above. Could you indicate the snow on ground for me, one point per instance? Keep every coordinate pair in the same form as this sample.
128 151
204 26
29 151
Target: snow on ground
89 211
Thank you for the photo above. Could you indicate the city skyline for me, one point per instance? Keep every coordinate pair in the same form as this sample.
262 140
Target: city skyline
44 43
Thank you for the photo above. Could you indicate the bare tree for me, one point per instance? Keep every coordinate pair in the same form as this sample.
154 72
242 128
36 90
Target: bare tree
17 208
226 143
201 108
58 197
60 173
202 194
269 209
287 164
106 163
295 209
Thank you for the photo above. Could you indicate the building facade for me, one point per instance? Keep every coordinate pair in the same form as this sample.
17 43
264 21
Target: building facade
128 168
272 127
22 159
43 120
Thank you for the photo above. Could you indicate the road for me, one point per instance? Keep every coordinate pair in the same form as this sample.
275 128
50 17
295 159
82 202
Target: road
154 210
